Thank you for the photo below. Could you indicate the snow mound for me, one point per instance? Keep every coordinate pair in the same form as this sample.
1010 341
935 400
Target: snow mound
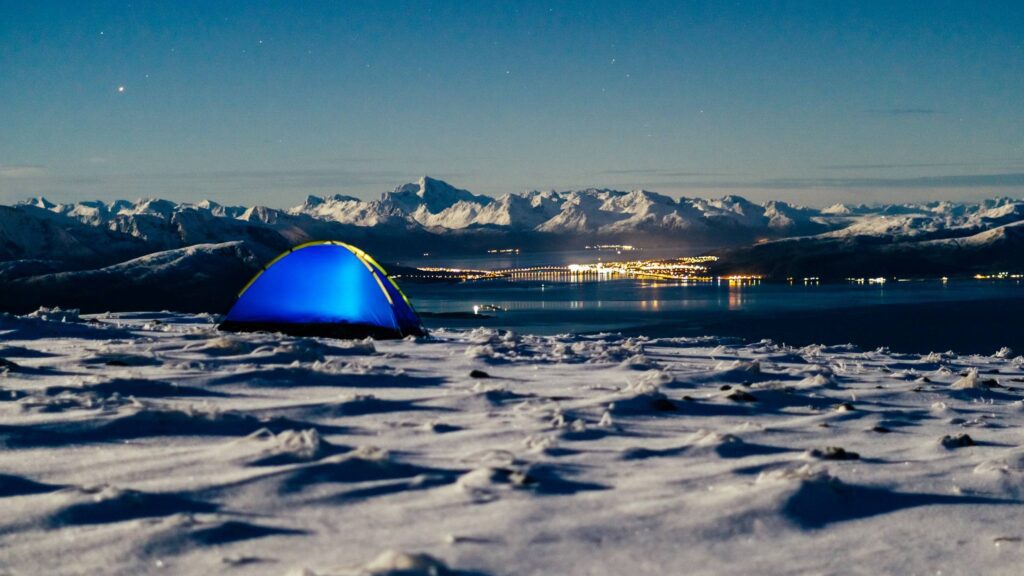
287 447
56 315
968 382
642 396
398 563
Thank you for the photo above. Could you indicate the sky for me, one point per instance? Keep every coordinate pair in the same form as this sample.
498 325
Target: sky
267 102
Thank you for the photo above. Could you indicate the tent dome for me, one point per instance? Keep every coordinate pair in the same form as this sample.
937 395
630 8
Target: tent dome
324 289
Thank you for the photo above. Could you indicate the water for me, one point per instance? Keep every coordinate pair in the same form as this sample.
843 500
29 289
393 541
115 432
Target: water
968 316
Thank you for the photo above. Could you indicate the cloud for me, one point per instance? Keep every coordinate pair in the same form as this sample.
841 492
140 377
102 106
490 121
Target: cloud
22 171
898 166
1002 180
903 111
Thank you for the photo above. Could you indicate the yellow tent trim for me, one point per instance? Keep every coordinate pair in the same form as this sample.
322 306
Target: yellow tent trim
380 269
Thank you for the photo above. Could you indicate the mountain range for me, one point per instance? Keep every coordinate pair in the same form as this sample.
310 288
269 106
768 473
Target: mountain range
48 249
434 213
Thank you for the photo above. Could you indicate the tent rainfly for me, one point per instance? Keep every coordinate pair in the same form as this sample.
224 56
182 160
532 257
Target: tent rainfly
324 289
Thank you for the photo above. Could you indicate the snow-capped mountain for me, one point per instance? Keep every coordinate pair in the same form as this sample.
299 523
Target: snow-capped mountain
35 231
436 205
180 279
101 233
430 196
40 237
933 239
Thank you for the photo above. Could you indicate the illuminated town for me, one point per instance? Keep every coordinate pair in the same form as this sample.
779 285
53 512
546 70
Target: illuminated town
687 270
617 248
999 276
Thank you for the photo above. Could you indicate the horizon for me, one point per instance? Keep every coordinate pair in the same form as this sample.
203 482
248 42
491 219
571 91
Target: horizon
677 198
801 102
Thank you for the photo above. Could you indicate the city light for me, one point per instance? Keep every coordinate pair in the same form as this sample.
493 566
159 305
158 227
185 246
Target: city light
999 276
691 269
616 247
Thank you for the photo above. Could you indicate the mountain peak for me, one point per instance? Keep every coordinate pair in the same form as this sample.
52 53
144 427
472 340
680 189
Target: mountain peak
435 195
425 181
735 199
41 202
157 206
312 201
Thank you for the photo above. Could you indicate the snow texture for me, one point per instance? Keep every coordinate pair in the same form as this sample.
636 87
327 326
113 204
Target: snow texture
150 443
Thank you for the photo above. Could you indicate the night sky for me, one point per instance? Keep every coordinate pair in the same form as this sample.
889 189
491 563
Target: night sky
254 102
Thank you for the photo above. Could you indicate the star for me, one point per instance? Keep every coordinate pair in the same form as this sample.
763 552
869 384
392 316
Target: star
120 89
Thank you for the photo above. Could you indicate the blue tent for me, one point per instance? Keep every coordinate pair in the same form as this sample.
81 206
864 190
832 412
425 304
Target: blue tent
324 289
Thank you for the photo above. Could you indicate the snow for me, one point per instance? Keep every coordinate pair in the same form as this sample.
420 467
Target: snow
433 195
179 278
436 204
151 443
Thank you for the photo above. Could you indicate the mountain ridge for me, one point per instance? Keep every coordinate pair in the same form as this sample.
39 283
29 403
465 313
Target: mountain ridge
430 210
39 237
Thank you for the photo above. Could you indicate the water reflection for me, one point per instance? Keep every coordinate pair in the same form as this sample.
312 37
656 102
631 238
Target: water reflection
735 297
666 308
504 300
